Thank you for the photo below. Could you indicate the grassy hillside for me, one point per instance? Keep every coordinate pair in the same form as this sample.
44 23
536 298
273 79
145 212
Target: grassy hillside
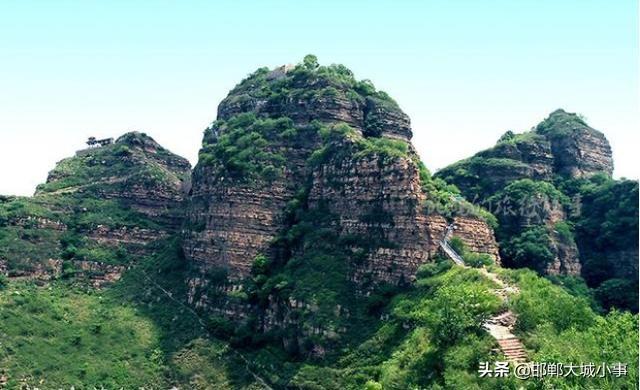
132 335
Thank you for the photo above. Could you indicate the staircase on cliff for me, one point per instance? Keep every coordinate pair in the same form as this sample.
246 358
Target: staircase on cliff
500 325
444 244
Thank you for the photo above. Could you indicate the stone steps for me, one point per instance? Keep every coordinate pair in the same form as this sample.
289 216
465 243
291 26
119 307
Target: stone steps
513 349
507 319
498 326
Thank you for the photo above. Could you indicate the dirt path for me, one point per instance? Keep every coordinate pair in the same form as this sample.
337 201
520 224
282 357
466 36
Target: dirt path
499 326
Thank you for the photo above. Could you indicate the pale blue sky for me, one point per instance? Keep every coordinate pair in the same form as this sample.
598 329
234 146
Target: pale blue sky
465 71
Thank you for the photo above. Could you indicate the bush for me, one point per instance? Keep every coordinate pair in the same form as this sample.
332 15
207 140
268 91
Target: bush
564 231
529 249
620 293
244 150
477 260
458 245
540 302
459 310
432 269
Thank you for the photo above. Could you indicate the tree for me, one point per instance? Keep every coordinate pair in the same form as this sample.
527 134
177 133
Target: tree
620 293
529 249
459 310
310 62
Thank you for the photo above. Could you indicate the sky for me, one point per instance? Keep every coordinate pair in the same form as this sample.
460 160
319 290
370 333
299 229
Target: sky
464 71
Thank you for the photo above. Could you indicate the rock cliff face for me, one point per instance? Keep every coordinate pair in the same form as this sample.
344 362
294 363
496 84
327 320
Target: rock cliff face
578 150
315 95
563 145
559 149
307 186
135 171
98 211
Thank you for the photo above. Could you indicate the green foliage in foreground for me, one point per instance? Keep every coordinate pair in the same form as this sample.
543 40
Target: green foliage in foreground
472 259
65 337
559 327
130 335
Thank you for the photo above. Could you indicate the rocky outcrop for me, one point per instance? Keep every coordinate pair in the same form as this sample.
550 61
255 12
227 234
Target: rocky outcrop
314 96
104 205
561 145
232 220
308 196
578 149
96 274
38 223
380 199
135 171
136 240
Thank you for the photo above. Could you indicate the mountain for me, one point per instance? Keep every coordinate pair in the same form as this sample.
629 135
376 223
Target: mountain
311 249
561 145
547 187
308 190
96 211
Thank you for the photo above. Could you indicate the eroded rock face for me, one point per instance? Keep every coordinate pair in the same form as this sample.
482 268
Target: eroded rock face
381 199
566 255
561 145
367 180
561 148
134 239
98 210
578 149
315 97
135 171
95 273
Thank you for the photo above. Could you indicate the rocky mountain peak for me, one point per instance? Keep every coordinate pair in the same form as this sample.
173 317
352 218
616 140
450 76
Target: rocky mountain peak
578 149
140 140
135 170
308 182
309 91
563 147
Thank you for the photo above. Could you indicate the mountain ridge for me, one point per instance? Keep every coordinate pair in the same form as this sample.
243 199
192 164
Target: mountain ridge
304 250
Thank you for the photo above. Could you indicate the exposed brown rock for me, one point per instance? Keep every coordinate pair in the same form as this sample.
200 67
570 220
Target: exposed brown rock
229 222
578 150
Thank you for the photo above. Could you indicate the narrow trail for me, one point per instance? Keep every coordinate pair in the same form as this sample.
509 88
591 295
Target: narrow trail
71 189
203 324
500 326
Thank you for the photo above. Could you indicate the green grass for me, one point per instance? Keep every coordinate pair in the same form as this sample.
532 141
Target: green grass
129 335
63 337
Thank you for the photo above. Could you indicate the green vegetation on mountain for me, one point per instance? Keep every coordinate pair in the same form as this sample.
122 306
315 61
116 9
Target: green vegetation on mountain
606 227
301 317
132 334
111 186
133 160
557 206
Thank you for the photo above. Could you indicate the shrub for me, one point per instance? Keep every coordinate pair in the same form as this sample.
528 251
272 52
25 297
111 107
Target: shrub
564 231
477 260
620 293
540 302
458 245
529 249
459 310
432 269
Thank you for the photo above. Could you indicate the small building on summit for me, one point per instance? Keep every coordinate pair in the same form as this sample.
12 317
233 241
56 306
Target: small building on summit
93 142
